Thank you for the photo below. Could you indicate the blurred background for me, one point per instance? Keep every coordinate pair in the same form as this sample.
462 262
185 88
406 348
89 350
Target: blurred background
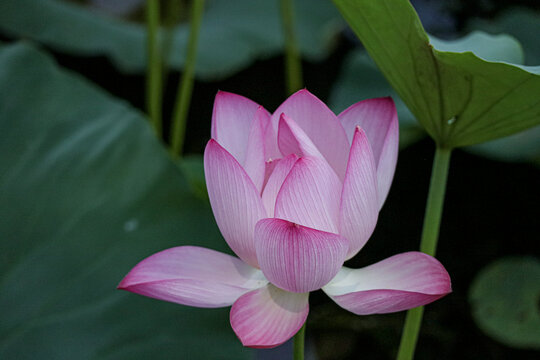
86 190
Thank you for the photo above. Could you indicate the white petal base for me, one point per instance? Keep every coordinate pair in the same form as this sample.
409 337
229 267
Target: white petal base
401 282
193 276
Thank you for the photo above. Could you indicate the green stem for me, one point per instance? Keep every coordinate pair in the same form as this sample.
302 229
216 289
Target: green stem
435 201
183 96
428 244
298 343
409 337
154 76
172 16
293 64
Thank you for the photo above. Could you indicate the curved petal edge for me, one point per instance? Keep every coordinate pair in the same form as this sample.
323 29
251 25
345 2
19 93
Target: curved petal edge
193 276
319 123
235 200
275 181
378 118
232 120
401 282
359 208
269 316
310 195
255 159
297 258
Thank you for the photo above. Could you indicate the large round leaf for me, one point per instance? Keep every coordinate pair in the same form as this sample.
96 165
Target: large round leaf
504 298
232 35
361 79
85 193
522 23
496 48
458 97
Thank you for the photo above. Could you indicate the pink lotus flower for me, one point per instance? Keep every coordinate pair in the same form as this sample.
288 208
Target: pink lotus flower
295 194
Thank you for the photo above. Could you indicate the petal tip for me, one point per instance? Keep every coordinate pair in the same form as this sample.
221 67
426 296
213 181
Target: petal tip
211 147
387 99
303 91
382 101
287 123
120 286
127 281
212 142
359 130
221 94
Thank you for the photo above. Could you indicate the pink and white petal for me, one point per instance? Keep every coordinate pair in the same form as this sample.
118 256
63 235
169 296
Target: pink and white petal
320 124
378 118
235 200
297 258
293 140
279 173
269 316
232 120
401 282
359 202
193 276
310 195
255 161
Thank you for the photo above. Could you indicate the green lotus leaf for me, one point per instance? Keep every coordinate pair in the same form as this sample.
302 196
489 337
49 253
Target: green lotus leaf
504 299
522 24
86 191
231 37
458 97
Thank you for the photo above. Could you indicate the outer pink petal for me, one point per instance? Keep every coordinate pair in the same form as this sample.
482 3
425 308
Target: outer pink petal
232 120
297 258
275 181
269 316
193 276
359 202
235 201
378 118
398 283
320 124
255 164
310 195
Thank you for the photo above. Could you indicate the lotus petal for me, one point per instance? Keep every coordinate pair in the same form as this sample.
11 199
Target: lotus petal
269 316
193 276
378 118
297 258
235 200
398 283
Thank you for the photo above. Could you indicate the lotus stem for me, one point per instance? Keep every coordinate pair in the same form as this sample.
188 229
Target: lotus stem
298 343
185 88
428 244
293 64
